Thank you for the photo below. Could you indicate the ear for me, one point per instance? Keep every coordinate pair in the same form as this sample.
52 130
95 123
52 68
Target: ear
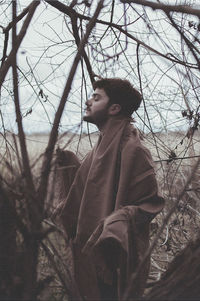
114 109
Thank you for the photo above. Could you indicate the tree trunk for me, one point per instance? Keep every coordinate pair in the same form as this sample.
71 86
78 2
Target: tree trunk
181 281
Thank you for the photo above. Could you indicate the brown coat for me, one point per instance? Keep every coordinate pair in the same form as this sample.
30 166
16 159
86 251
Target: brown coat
118 172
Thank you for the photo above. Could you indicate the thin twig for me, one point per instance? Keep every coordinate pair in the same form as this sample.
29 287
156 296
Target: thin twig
7 64
25 158
184 9
68 10
130 288
54 132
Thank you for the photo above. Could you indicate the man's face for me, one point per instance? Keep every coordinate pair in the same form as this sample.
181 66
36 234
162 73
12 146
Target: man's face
97 108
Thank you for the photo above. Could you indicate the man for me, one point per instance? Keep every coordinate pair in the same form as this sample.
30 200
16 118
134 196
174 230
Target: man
113 197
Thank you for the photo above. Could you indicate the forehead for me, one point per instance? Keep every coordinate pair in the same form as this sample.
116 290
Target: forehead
100 92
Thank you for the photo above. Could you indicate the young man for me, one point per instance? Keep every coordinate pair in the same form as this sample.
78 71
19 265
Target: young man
113 197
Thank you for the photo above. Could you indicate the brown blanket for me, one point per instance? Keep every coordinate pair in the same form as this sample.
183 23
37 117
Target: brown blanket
117 172
118 244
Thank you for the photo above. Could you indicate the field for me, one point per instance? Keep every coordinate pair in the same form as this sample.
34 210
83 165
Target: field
174 157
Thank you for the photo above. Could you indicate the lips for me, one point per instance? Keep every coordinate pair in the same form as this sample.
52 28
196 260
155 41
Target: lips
87 110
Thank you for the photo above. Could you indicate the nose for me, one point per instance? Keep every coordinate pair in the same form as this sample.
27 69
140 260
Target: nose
88 102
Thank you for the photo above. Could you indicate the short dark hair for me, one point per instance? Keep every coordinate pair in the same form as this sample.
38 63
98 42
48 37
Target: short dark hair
120 91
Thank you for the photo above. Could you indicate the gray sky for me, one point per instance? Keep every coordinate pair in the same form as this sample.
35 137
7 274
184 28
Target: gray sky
48 50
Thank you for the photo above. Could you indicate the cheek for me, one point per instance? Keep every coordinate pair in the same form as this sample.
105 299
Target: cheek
95 107
99 110
99 106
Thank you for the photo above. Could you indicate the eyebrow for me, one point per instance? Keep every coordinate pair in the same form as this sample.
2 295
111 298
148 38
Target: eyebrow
95 94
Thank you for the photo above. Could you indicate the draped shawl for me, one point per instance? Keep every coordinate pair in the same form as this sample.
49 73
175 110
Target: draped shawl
118 172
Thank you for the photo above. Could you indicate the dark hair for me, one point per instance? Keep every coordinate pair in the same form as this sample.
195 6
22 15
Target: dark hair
120 91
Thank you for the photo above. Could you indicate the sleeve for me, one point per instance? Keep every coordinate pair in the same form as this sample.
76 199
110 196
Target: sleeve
67 166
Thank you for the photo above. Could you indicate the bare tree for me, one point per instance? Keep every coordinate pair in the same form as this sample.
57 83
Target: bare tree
58 49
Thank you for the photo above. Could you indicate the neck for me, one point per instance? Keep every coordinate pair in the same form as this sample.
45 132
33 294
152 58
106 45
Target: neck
102 127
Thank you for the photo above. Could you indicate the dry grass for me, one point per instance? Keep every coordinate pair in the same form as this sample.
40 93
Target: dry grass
172 176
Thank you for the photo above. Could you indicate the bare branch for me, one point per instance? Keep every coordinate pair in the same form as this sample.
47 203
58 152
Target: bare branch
185 9
18 18
188 43
4 69
26 166
54 132
132 283
77 39
70 11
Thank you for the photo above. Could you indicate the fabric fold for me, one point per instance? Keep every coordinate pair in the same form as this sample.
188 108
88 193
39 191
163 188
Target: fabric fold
117 173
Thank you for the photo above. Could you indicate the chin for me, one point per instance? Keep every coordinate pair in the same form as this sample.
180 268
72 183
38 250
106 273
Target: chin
88 118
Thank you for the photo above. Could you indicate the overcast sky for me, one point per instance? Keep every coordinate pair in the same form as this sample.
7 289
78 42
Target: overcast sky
47 53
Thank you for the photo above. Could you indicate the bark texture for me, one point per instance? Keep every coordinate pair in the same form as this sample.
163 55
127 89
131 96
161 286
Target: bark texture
182 278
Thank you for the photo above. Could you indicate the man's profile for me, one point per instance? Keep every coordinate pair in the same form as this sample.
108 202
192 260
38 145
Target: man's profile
113 197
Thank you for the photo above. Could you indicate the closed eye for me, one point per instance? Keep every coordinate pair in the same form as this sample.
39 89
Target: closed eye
96 97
